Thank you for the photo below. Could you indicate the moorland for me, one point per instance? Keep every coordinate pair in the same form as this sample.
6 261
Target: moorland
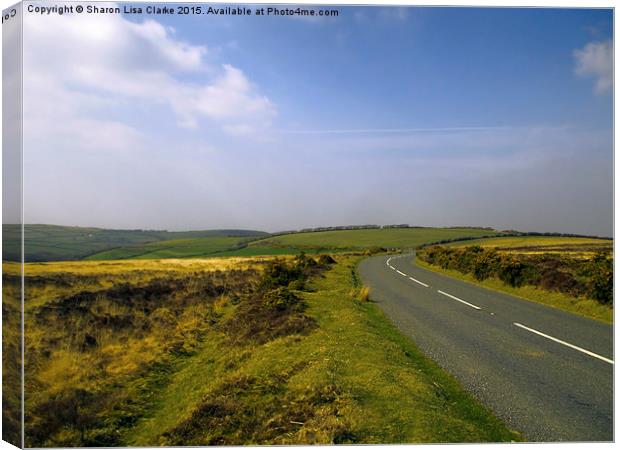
234 337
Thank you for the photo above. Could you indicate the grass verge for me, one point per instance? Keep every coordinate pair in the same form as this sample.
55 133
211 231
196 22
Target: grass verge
582 306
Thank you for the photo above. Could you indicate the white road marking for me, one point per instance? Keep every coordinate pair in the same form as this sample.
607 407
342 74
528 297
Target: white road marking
403 274
574 347
459 300
418 281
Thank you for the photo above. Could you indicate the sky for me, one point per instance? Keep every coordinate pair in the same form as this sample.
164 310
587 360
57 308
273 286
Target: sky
427 116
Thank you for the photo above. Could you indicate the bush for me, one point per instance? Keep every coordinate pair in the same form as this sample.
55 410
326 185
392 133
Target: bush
279 274
326 260
303 261
280 299
297 285
513 272
570 276
466 258
601 283
485 265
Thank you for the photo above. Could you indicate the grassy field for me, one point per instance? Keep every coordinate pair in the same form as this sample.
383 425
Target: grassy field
366 239
60 243
569 273
190 351
176 248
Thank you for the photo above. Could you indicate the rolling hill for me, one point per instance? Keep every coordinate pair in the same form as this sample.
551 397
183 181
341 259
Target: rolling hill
61 243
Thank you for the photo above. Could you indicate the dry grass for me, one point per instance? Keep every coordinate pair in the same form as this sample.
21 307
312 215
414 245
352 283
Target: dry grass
93 327
152 265
11 353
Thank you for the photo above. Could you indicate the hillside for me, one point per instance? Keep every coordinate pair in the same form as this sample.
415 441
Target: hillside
60 243
368 238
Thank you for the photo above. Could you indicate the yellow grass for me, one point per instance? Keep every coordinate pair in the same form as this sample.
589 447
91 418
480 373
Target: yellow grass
107 273
124 266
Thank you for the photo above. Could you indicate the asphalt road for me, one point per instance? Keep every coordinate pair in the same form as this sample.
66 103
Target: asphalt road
545 372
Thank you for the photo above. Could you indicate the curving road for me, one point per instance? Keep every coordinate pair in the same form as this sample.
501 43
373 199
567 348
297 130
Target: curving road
545 372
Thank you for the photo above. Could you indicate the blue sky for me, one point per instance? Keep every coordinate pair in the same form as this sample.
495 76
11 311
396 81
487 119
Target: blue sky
429 116
423 67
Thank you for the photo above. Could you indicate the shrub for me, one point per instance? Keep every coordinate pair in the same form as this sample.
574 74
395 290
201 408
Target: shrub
485 265
375 249
601 283
280 299
512 272
466 258
303 261
326 260
570 276
279 274
297 285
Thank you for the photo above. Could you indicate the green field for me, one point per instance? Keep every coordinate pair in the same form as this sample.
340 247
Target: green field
176 248
391 238
60 243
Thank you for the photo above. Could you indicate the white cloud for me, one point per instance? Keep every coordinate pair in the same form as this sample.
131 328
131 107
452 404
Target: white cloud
114 61
596 60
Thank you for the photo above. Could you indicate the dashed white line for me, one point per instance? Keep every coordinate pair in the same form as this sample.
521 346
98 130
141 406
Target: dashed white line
531 330
459 300
418 281
574 347
404 274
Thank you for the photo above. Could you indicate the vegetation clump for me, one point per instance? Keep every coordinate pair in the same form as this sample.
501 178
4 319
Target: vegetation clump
281 299
326 260
274 310
588 277
245 410
600 271
360 294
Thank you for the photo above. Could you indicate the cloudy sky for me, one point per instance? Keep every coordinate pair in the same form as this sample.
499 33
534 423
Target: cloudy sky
427 116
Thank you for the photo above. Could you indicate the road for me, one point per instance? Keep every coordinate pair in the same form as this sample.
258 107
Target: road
545 372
